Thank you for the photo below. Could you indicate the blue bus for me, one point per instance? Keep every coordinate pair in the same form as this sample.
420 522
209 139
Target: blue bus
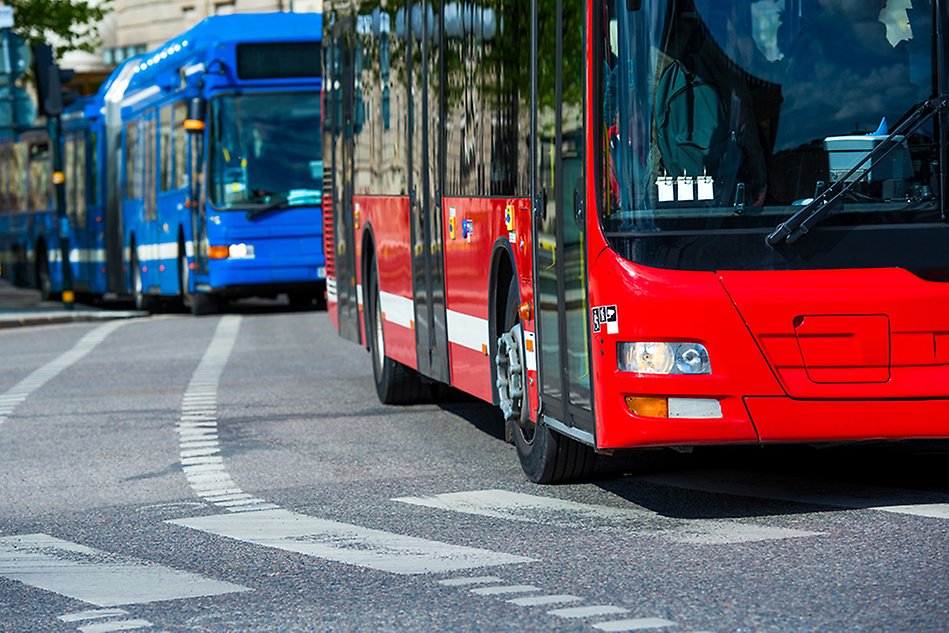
194 175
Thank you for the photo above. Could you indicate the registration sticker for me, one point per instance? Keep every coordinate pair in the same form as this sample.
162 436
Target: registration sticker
605 316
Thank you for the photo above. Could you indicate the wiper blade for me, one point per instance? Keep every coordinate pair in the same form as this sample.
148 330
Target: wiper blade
279 205
799 224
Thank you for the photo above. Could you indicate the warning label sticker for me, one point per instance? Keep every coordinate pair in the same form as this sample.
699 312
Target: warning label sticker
605 316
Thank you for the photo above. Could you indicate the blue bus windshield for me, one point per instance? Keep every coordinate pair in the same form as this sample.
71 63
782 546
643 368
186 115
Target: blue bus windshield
266 150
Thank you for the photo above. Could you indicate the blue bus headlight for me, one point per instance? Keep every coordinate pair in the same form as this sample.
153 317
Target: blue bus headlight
240 251
663 358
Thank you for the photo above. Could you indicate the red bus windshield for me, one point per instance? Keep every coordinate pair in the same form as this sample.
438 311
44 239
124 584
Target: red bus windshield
729 115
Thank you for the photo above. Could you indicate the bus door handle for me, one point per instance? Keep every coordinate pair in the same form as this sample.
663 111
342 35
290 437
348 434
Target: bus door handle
540 205
578 204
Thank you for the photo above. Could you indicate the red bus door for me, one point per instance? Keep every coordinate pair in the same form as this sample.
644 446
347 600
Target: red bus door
560 261
339 159
426 165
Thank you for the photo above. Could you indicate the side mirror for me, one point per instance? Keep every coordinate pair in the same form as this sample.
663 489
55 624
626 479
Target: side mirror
634 5
196 115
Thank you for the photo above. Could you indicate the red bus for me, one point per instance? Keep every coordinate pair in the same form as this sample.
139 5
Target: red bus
645 223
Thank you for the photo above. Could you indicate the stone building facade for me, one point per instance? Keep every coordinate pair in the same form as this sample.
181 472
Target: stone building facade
141 25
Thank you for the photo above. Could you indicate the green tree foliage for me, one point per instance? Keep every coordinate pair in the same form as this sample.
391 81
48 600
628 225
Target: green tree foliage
67 24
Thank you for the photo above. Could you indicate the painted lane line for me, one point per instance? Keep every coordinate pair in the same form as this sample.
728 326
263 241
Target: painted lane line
198 425
211 491
469 580
97 577
785 489
197 461
536 601
346 543
93 614
203 469
187 444
637 624
198 445
254 508
18 393
228 497
257 521
515 506
504 589
200 452
241 502
118 625
587 612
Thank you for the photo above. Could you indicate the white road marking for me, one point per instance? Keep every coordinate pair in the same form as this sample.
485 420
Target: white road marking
638 624
823 494
93 614
264 523
504 589
515 506
19 392
587 612
346 543
469 580
197 428
97 577
536 601
118 625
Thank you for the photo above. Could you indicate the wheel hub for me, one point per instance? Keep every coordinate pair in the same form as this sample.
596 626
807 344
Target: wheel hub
510 380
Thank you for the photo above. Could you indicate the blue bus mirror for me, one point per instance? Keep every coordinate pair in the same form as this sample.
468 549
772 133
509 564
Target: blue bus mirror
634 5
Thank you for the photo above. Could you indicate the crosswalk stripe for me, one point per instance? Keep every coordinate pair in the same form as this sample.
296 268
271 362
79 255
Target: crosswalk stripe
97 577
637 624
515 506
588 611
783 489
537 601
93 614
117 625
504 589
469 580
346 543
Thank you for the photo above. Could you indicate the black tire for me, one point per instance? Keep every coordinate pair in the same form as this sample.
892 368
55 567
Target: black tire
395 383
302 300
143 301
198 303
184 278
547 457
203 303
44 282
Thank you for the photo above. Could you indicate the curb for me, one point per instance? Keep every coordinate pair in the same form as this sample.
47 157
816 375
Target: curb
46 318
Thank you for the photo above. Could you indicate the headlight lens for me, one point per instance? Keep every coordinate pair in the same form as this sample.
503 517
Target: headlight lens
663 358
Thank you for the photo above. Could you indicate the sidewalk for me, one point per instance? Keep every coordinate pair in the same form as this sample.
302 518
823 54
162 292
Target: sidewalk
21 306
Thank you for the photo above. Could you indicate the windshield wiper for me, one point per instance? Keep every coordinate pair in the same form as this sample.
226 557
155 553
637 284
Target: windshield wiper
799 224
277 205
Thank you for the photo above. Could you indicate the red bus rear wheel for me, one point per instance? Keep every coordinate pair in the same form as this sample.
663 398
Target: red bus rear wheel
395 383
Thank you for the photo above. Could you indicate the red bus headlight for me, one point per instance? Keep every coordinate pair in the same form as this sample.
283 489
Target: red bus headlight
663 358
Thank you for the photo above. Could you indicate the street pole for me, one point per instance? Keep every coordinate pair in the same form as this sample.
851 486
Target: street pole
59 197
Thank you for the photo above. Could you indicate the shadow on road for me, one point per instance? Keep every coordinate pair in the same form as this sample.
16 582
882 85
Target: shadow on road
728 482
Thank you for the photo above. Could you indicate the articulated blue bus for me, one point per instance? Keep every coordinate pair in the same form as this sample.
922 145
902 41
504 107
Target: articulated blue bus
194 174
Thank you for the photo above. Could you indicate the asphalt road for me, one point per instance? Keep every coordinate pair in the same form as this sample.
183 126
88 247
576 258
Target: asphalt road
237 473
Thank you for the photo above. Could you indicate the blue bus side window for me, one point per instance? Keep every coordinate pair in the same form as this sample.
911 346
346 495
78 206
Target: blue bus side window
164 148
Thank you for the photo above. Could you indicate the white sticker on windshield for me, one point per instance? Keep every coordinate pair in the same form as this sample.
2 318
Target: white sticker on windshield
667 192
685 188
706 188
